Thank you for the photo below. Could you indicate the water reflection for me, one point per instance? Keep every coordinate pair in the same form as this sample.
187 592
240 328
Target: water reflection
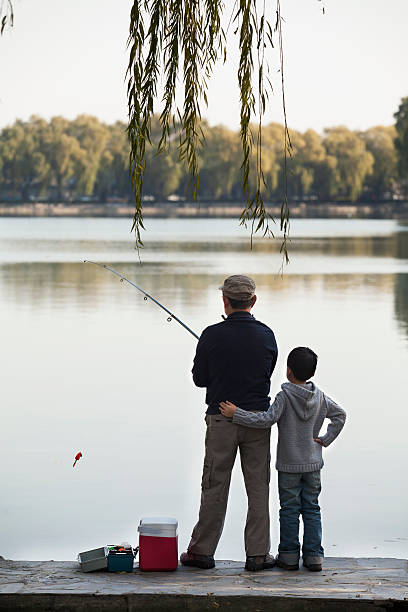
79 286
401 281
401 300
394 245
402 244
73 239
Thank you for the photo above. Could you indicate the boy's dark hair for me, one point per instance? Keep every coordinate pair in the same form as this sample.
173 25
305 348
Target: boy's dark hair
241 303
302 361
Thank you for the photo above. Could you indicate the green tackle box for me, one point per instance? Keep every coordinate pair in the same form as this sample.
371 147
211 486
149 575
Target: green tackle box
120 558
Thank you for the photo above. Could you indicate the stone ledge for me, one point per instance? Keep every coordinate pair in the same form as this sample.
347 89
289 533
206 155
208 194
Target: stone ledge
344 584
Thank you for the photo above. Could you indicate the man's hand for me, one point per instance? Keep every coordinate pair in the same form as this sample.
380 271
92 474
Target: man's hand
227 409
318 440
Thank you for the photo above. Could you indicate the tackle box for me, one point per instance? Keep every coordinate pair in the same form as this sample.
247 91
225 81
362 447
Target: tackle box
120 558
158 546
92 560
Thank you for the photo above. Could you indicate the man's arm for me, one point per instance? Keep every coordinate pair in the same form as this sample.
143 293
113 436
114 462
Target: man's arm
259 420
200 366
337 417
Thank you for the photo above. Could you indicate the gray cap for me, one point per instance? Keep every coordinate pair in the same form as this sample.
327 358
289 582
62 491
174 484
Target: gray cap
238 287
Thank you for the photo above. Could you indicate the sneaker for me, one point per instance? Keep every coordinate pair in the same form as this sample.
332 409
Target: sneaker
256 564
287 566
201 561
312 566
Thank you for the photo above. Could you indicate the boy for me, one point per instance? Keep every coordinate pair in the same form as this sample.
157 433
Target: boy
299 409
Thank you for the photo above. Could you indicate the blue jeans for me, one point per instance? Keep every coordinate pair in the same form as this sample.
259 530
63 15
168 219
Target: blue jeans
298 495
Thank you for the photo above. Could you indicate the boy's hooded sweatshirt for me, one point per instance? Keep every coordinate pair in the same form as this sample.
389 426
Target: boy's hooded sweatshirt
299 411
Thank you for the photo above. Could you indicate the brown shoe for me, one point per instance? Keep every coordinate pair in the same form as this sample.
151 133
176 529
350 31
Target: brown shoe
287 566
313 566
256 564
201 561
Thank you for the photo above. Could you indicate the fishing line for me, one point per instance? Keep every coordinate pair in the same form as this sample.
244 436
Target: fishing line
146 296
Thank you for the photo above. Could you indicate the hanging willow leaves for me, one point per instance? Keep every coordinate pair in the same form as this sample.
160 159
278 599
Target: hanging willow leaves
6 15
288 144
180 32
186 38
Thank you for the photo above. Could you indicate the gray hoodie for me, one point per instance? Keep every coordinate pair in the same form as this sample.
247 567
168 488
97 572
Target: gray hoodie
299 411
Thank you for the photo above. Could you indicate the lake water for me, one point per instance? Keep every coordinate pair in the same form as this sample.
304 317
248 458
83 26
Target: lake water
88 365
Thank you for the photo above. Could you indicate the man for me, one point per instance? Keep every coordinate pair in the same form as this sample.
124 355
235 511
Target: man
234 361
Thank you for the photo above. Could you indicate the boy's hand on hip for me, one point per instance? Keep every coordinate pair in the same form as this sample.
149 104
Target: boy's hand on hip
227 409
318 440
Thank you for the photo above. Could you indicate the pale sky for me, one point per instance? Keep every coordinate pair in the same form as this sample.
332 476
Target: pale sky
346 67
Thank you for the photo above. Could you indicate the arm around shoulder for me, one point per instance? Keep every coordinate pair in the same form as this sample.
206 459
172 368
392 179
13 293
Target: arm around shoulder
261 420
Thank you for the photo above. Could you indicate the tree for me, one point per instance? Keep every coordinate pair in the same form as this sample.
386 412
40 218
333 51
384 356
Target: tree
92 136
162 173
326 179
273 139
63 153
379 141
219 163
401 141
353 162
66 159
308 154
24 165
113 171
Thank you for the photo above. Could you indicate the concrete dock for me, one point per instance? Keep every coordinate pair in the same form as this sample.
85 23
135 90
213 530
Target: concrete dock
344 584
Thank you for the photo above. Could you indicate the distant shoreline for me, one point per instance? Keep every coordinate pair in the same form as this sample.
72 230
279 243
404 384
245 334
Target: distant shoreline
218 210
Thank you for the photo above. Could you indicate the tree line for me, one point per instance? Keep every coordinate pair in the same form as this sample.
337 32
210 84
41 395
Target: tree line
86 159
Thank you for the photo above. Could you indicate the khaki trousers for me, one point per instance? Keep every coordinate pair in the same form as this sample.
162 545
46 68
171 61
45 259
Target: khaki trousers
223 438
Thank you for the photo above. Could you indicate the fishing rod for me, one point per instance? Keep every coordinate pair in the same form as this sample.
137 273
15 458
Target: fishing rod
146 295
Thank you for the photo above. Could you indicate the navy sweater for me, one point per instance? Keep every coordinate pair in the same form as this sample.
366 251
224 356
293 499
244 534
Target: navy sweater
235 360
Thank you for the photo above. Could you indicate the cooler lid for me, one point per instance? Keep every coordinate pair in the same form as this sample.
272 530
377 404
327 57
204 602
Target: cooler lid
159 522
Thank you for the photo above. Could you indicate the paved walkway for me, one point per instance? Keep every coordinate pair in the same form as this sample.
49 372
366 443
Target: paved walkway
344 584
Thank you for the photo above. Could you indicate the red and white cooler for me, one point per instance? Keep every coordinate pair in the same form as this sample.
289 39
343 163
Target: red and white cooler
158 550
